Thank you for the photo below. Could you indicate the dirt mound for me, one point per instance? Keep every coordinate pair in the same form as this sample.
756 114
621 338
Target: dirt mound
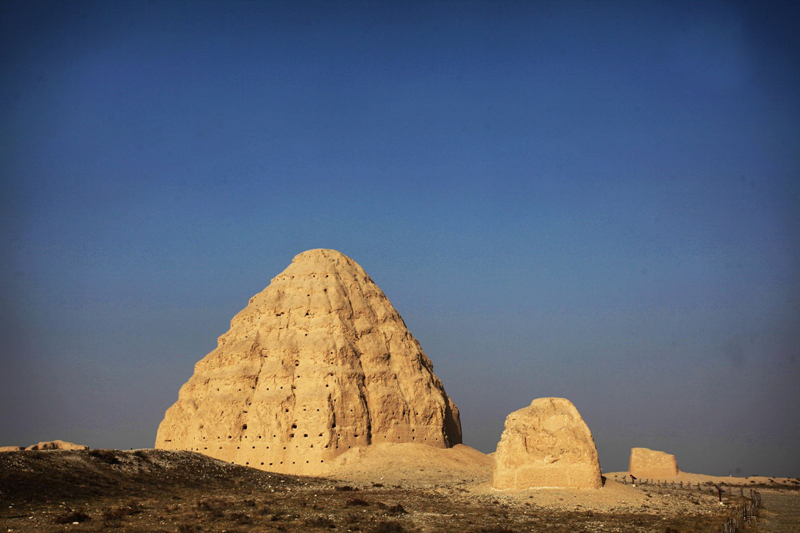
57 445
646 463
413 464
546 444
58 474
317 364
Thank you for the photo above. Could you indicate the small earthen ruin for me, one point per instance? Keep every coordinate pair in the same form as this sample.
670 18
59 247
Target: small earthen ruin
546 444
318 363
646 463
46 445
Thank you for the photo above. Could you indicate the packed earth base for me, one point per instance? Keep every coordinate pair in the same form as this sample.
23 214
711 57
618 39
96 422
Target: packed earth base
394 488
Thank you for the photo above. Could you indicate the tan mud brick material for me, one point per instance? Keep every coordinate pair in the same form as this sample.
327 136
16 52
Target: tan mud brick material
318 363
546 444
646 463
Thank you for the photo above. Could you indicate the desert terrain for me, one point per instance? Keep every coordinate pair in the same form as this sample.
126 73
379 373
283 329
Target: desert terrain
319 411
392 488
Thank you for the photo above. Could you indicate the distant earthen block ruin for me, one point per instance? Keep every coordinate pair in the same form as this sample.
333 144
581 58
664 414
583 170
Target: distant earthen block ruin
546 445
646 463
46 445
317 363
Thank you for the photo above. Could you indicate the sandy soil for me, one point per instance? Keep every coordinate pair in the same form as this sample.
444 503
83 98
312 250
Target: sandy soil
413 465
389 488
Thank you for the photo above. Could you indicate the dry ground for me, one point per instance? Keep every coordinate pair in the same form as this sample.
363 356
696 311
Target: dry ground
160 491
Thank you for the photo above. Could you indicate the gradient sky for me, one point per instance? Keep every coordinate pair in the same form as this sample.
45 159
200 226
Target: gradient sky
593 200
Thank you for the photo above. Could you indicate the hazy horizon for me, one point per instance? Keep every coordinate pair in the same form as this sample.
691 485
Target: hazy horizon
596 201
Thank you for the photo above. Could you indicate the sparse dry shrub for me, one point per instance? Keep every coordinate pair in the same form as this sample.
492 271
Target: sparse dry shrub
321 521
141 454
72 516
105 456
265 510
212 506
241 519
118 513
353 518
392 509
388 527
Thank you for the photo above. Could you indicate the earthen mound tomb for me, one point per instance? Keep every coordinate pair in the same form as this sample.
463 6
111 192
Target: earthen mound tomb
545 445
318 363
646 463
57 445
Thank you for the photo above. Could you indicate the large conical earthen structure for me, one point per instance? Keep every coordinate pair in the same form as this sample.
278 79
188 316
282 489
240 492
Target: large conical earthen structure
318 363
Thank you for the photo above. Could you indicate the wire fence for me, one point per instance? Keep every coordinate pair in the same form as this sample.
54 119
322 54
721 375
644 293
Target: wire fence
744 513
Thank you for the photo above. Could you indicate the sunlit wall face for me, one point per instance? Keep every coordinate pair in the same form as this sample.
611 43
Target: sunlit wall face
590 200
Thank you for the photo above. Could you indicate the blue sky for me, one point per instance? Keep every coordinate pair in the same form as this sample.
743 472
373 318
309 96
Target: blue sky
594 200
